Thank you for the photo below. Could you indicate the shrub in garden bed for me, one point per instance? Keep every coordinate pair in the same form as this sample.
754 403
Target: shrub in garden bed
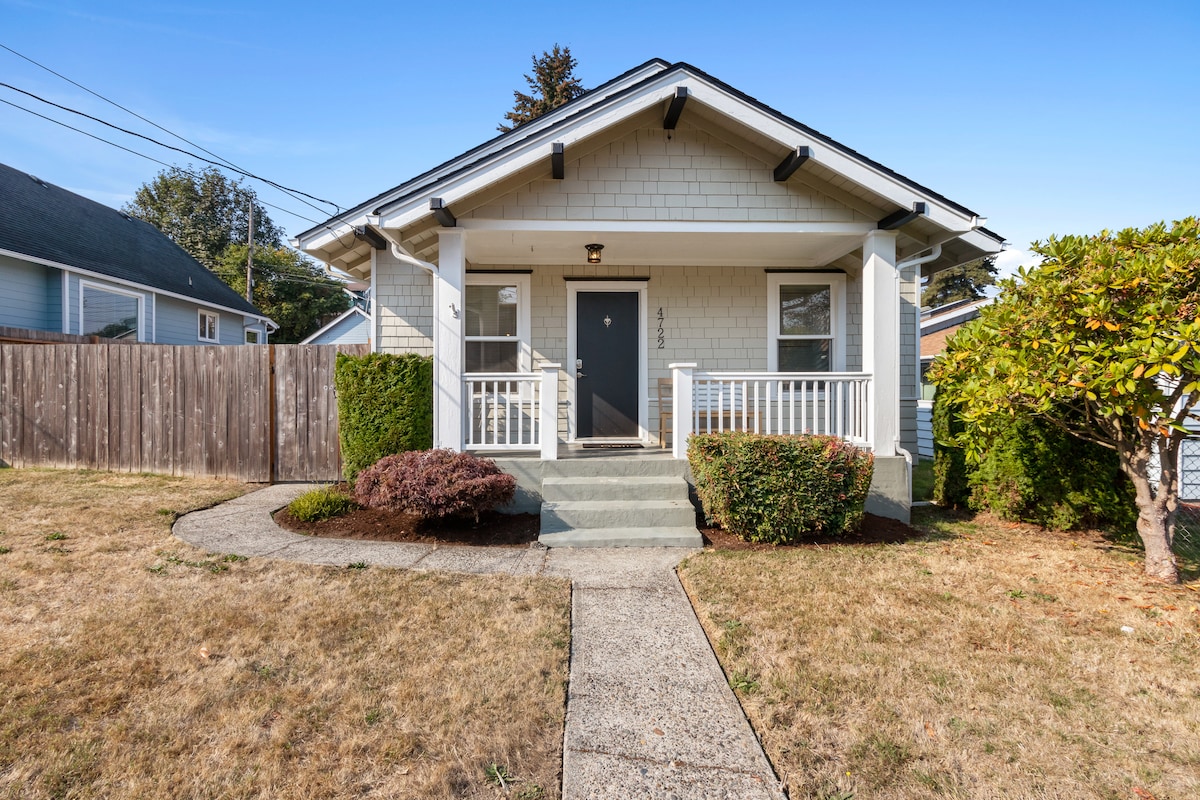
385 406
322 503
779 489
435 483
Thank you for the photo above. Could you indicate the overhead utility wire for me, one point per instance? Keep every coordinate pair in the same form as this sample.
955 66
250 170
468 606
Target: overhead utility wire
140 155
173 147
292 193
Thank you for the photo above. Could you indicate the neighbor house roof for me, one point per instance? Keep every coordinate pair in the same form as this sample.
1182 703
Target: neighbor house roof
47 223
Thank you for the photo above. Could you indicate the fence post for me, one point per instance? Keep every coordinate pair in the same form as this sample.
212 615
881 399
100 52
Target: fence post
681 408
548 426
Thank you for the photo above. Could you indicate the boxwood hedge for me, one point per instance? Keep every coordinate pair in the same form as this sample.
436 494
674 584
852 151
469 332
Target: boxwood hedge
385 406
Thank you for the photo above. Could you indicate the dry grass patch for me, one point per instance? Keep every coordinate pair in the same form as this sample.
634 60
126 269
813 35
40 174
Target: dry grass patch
133 665
986 660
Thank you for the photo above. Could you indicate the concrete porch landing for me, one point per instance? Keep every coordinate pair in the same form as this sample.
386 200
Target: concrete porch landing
607 500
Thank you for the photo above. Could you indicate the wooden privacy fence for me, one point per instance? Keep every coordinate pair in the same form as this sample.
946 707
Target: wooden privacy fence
258 414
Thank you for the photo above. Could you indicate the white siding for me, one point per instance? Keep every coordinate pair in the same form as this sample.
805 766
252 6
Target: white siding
404 306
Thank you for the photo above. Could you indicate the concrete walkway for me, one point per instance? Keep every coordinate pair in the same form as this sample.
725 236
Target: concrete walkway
649 713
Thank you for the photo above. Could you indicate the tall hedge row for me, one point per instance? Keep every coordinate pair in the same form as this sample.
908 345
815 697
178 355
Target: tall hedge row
1034 471
779 489
385 406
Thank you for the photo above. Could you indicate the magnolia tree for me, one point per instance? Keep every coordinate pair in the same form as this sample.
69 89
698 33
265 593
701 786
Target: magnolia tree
1102 339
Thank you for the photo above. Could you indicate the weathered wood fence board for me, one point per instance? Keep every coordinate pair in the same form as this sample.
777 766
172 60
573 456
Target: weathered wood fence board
256 414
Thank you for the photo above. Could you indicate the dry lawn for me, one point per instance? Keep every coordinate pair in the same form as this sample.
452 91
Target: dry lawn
985 660
134 666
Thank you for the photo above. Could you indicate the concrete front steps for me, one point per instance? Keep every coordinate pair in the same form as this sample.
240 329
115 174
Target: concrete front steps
617 502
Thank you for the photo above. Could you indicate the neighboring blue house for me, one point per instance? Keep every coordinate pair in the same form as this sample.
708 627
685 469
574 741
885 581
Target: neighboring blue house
71 265
352 327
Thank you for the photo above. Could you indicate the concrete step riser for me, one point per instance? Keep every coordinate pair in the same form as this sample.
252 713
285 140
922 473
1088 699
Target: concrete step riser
614 468
613 489
631 514
625 537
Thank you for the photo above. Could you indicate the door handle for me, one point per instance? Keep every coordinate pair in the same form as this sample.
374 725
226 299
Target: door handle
580 375
579 368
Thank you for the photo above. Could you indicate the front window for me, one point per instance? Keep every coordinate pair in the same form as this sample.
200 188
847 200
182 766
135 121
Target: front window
806 325
109 313
496 323
209 326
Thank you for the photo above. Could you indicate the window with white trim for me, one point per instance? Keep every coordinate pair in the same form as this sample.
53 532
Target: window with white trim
209 326
496 325
251 336
110 313
807 325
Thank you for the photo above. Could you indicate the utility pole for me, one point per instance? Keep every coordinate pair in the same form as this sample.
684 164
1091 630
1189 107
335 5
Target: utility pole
250 252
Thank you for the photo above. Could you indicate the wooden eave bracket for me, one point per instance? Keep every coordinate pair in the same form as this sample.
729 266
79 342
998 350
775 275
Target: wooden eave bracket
902 217
441 213
794 161
558 167
365 233
675 109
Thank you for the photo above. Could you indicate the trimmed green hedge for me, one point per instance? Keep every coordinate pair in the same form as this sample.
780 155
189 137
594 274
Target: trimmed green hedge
1037 472
385 406
950 486
779 489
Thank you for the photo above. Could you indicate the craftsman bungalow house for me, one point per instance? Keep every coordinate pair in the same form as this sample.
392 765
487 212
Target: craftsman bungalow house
659 256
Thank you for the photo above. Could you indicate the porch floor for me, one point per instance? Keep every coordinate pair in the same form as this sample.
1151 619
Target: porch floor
576 450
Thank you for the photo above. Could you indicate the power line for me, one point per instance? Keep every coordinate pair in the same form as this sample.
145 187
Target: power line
176 149
141 155
161 128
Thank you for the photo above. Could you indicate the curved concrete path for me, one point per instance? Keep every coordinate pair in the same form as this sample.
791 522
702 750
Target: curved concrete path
649 713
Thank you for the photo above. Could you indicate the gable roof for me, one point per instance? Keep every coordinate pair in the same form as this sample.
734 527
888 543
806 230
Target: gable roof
46 222
641 88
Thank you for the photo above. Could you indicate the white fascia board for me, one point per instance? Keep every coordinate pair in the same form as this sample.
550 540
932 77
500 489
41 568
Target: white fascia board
982 241
330 234
528 130
848 166
533 150
666 226
131 284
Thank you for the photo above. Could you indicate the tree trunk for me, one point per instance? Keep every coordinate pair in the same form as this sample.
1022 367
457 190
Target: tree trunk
1156 509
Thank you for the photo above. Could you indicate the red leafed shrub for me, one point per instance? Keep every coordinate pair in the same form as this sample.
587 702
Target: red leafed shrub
434 483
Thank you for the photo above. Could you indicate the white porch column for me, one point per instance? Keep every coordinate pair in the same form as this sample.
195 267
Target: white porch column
881 339
681 408
548 424
448 339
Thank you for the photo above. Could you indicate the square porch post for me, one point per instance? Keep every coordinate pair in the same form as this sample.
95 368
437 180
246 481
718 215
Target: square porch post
881 340
448 339
548 424
681 408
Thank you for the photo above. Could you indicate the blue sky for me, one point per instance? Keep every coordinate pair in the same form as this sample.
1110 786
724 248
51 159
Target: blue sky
1046 117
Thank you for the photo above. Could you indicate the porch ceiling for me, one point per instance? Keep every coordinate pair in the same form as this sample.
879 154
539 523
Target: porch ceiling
700 248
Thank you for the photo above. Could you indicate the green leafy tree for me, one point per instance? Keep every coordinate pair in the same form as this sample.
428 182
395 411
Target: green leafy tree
202 212
553 83
1102 339
965 282
289 288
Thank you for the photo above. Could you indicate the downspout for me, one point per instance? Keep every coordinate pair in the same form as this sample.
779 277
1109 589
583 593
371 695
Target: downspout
934 252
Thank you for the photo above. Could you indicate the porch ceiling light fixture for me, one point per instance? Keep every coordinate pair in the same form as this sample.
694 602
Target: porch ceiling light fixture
594 253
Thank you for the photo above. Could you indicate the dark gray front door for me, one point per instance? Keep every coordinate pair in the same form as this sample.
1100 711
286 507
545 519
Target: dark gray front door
607 344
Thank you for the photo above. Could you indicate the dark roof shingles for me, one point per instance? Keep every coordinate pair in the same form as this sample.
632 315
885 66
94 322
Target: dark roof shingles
41 220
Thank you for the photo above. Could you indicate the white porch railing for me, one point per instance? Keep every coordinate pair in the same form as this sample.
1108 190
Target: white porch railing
830 403
512 411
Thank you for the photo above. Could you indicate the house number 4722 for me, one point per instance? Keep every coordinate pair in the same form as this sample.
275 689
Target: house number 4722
662 337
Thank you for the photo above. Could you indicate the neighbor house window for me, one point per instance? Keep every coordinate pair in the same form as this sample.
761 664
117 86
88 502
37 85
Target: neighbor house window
109 313
209 329
807 322
251 337
496 326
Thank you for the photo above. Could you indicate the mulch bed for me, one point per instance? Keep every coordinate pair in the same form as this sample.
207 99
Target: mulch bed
520 530
493 530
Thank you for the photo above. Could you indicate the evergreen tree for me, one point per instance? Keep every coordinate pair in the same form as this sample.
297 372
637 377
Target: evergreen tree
202 212
965 282
552 84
